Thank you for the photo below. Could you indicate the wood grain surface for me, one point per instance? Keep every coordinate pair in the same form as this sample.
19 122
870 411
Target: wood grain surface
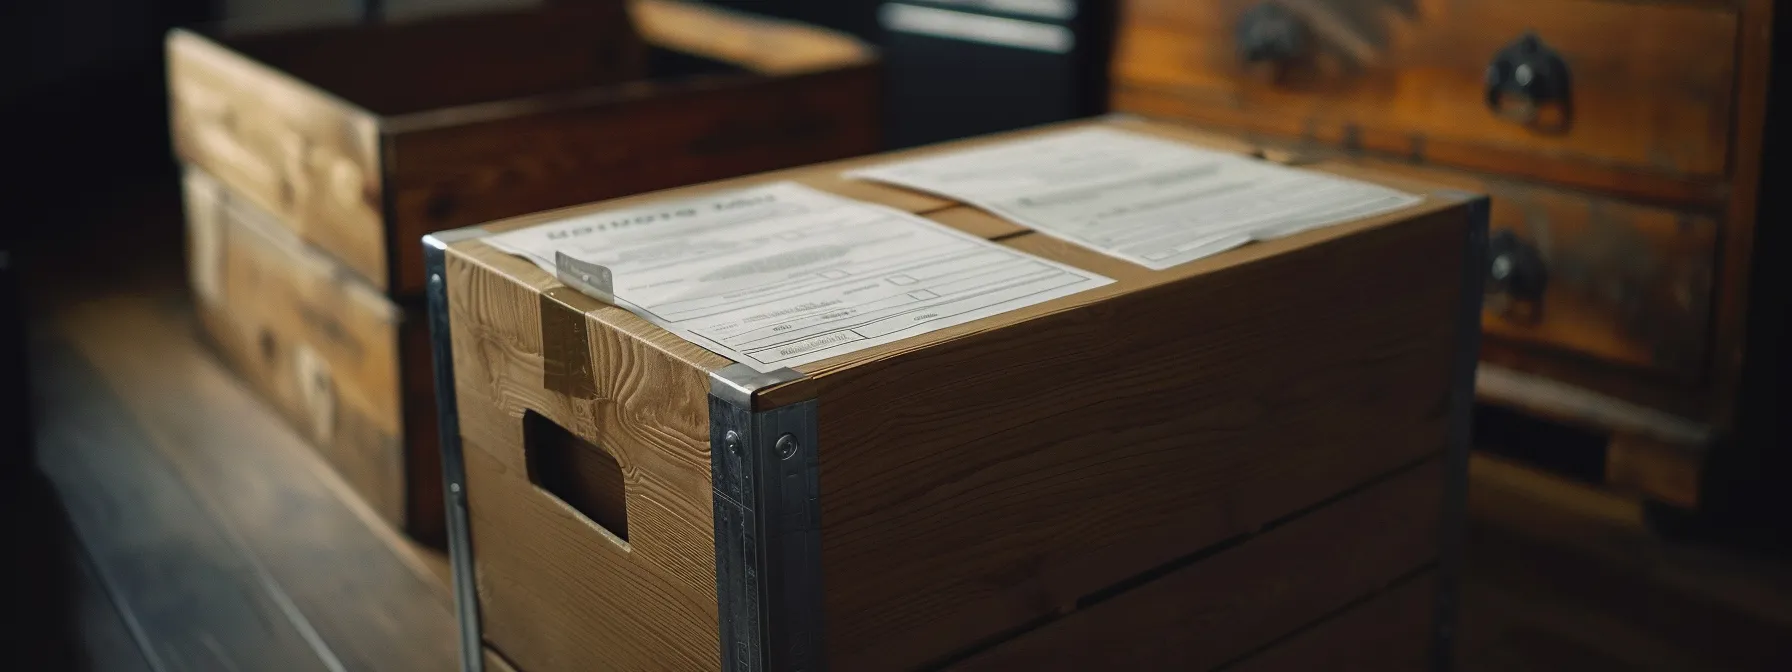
1729 351
1390 632
1247 596
310 336
292 149
1407 77
365 594
363 138
948 507
180 580
1560 578
557 591
761 44
528 160
1629 284
395 67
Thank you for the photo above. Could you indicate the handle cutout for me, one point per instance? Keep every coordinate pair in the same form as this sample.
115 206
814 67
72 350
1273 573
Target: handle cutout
575 471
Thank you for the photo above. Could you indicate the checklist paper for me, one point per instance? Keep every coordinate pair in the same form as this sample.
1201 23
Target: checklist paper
783 275
1150 201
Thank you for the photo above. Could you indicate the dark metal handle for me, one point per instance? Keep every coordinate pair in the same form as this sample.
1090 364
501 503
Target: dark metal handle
1527 79
1515 268
1270 33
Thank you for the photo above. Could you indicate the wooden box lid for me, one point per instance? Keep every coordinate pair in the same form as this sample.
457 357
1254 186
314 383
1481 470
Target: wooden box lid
1129 278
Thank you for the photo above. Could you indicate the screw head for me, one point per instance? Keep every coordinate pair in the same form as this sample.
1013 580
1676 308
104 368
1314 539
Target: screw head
787 446
1502 267
732 441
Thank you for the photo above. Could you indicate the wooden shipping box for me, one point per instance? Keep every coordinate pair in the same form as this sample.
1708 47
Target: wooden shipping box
1256 458
363 138
316 159
1624 167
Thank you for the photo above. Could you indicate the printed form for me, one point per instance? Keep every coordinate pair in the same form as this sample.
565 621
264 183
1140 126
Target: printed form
1153 202
782 275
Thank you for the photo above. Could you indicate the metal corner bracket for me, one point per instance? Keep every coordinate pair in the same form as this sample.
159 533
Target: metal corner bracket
765 482
454 473
1467 339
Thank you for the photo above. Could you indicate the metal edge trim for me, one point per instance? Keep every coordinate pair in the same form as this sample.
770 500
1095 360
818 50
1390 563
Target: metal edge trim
460 542
765 472
738 383
1452 536
442 239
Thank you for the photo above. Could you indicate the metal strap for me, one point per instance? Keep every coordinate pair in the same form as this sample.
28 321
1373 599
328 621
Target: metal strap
454 473
765 481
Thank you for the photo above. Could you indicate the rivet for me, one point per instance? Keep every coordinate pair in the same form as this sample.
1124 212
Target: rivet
787 446
732 441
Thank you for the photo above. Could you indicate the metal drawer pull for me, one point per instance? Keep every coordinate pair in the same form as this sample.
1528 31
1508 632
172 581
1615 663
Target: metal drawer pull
1270 33
1526 79
1516 276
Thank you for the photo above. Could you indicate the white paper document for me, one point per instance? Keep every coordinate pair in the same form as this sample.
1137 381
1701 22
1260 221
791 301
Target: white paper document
783 275
1153 202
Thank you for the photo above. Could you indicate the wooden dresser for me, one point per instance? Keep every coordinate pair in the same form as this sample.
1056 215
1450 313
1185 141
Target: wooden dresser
1620 140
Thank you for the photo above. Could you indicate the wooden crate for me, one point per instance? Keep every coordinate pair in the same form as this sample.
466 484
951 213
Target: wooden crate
1624 209
1252 459
317 158
363 138
328 350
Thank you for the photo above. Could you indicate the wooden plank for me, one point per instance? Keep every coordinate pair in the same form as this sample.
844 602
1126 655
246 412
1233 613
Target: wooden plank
1285 421
58 614
1732 303
1524 497
558 591
1640 105
410 64
368 598
295 151
107 644
761 44
1568 403
1562 562
320 344
1394 630
1225 606
200 600
526 160
1665 472
1629 284
1504 629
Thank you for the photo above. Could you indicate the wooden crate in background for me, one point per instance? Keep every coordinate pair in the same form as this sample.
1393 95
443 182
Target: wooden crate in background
318 157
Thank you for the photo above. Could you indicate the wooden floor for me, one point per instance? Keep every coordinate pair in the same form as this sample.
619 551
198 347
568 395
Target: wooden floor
177 524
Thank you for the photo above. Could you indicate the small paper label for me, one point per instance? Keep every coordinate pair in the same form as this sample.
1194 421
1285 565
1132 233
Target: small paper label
783 275
1153 202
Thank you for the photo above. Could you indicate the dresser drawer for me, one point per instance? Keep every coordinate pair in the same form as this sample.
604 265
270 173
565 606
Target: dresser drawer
1622 283
1613 87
